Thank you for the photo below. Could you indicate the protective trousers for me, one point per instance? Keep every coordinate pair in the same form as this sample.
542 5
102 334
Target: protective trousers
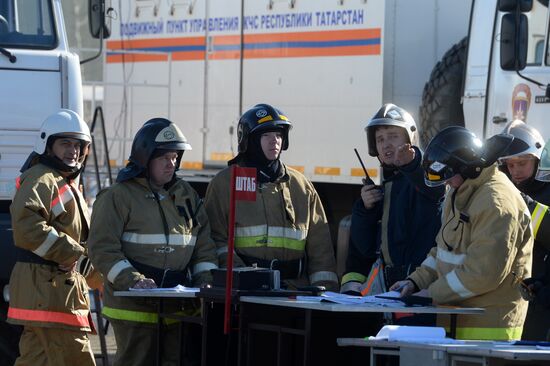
54 347
137 345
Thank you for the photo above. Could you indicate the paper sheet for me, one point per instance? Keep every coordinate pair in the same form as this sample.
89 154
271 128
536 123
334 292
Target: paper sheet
414 334
338 298
178 288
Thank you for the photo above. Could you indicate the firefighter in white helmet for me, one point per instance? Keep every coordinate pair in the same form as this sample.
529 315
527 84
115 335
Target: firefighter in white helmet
285 228
48 296
520 163
150 230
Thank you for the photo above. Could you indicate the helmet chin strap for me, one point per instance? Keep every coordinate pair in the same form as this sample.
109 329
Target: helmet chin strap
58 164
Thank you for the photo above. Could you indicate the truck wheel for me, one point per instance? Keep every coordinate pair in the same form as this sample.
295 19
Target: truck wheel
441 105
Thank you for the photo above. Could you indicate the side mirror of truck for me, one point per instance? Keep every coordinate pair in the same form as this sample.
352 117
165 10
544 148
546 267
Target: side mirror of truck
513 42
100 25
507 6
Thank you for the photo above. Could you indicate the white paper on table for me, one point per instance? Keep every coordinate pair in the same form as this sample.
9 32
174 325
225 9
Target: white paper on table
412 334
338 298
178 288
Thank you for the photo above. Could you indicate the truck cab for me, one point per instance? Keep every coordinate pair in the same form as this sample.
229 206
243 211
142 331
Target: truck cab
39 75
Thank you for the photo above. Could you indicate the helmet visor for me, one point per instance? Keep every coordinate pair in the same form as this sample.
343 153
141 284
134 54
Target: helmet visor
543 175
436 171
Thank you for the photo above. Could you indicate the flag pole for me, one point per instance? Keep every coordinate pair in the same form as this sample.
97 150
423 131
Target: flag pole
230 249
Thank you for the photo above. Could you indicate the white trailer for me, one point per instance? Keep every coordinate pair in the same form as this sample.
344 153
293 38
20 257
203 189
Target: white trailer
329 65
38 76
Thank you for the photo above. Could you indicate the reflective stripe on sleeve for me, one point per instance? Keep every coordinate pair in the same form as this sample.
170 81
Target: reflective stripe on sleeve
76 320
222 250
323 276
202 267
43 248
430 262
457 286
64 196
116 269
159 239
353 276
449 257
537 216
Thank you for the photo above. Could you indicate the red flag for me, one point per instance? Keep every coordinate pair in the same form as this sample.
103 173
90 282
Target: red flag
245 184
243 188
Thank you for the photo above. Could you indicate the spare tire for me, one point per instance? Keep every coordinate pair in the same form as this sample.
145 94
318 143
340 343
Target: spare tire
441 99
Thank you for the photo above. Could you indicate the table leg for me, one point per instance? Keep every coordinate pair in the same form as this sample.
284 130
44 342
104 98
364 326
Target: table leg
204 329
159 331
241 336
307 336
453 326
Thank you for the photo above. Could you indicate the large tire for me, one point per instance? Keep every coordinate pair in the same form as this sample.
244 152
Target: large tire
441 99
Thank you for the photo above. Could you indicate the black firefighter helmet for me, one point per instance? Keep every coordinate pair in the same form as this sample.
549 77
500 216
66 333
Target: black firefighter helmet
261 117
457 150
157 133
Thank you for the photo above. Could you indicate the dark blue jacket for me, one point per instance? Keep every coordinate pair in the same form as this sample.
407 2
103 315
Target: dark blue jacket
537 322
413 222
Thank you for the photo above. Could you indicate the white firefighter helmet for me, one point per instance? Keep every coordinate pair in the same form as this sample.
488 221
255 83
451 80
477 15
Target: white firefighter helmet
62 123
527 141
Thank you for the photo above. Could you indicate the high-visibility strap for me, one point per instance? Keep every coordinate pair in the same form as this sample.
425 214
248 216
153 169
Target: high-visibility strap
159 239
323 276
270 242
116 269
77 320
499 334
136 316
275 231
64 196
43 248
353 276
537 216
372 276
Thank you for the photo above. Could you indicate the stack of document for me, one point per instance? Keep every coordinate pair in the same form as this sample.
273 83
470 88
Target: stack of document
413 334
354 300
178 288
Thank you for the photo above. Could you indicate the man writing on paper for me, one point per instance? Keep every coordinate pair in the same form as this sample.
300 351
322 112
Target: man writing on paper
150 230
485 236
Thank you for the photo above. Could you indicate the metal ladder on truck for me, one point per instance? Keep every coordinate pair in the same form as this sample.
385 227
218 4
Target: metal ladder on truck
102 325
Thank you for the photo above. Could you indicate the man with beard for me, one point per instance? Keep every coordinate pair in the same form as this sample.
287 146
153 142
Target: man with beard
399 219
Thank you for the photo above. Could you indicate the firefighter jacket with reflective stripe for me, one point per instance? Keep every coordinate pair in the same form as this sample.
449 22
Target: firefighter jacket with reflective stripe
402 226
168 230
485 236
47 220
286 222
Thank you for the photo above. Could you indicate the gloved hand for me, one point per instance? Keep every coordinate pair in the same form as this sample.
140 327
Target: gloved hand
528 200
352 288
530 288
